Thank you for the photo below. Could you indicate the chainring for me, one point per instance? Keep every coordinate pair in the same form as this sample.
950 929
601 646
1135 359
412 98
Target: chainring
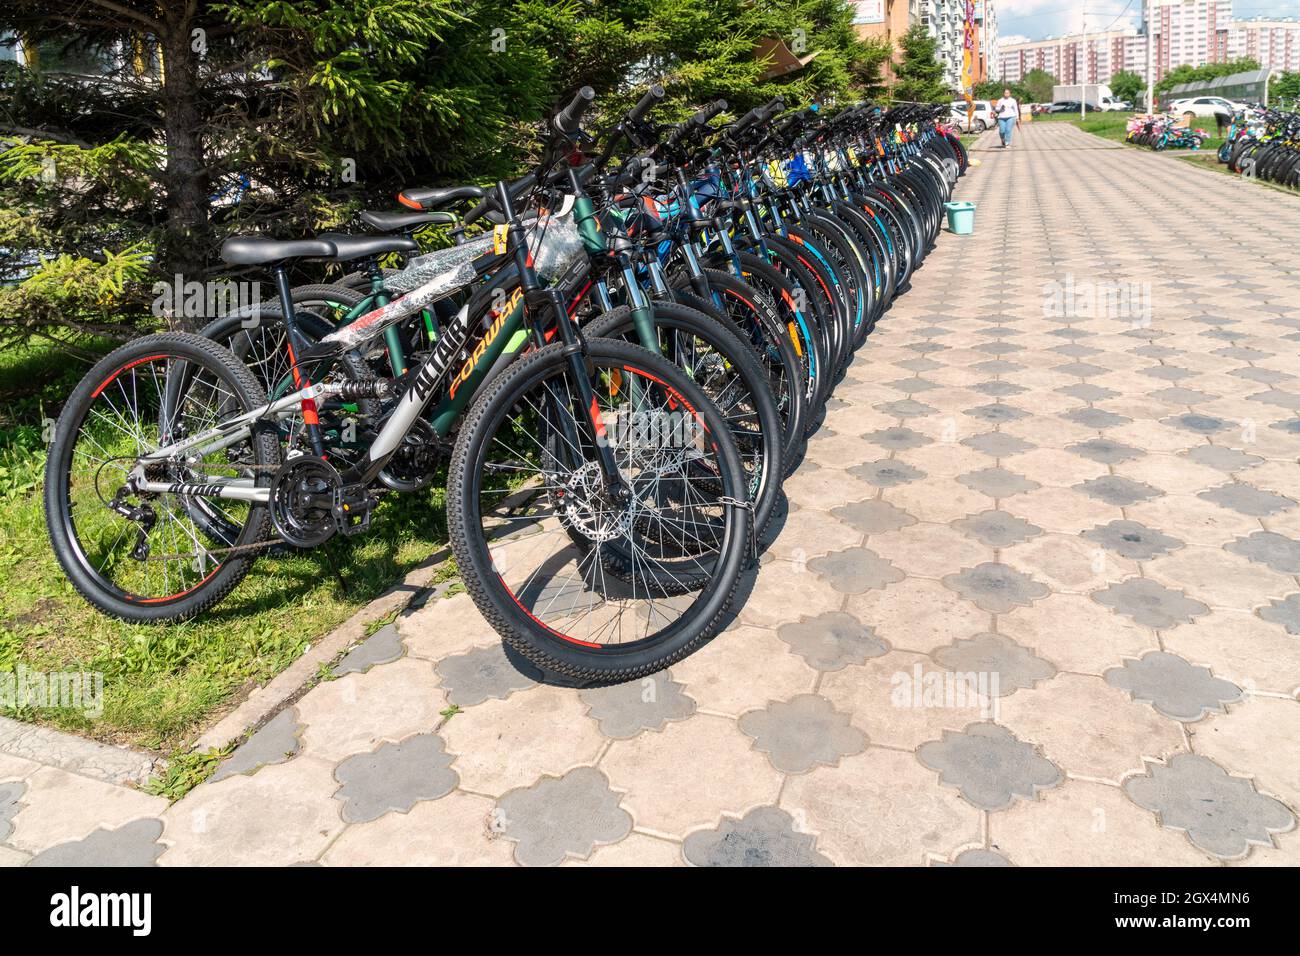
302 501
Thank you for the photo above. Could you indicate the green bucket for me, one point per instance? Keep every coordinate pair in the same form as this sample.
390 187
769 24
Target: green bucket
961 217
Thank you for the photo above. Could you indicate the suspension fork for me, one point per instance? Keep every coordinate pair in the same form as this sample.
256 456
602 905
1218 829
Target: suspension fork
573 349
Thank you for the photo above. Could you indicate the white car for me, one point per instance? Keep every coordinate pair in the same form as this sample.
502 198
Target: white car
983 116
1205 106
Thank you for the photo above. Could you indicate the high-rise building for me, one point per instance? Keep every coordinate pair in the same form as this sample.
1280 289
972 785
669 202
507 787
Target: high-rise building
1184 32
987 62
1074 59
946 21
1275 43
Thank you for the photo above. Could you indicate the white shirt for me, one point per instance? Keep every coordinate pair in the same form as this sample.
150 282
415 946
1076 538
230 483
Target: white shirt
1008 108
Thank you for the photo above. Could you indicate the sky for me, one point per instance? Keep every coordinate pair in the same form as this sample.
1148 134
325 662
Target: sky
1037 19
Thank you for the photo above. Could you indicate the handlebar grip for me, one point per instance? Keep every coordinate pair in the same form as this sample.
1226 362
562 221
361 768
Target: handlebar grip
568 119
646 103
706 115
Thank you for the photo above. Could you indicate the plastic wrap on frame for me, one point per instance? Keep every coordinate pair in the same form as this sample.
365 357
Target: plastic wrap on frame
436 275
425 268
560 245
371 324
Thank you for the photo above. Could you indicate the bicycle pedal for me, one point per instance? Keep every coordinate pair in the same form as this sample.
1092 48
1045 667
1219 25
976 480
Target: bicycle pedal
352 509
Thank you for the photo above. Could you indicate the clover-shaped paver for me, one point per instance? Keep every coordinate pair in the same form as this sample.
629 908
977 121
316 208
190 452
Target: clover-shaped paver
1014 666
1180 395
919 365
627 709
1291 426
1096 418
1117 490
561 817
479 674
855 570
1150 603
997 528
1168 373
9 794
913 385
1285 612
898 438
1081 369
802 733
976 857
998 389
277 741
1265 376
997 413
382 647
1201 424
1247 499
1173 686
1088 392
906 408
873 516
1223 458
1131 539
998 444
997 482
1222 814
1287 400
132 844
1106 451
886 473
394 777
1267 547
996 367
1074 350
832 641
765 836
996 587
989 765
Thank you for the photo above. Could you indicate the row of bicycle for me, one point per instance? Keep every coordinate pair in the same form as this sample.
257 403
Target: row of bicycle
1264 143
612 367
1164 131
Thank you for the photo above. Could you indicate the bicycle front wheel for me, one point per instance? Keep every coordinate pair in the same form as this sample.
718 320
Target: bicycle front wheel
601 581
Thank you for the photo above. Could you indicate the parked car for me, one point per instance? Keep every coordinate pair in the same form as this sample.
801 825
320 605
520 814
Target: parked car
983 116
1205 106
1072 107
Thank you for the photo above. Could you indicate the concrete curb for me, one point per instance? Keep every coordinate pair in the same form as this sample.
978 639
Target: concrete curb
89 758
265 702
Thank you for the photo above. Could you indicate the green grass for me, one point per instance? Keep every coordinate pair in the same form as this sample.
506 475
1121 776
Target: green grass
162 683
1114 126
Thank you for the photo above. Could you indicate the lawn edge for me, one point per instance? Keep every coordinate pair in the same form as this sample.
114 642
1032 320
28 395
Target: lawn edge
292 682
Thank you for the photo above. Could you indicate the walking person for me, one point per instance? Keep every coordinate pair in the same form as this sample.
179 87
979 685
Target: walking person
1007 111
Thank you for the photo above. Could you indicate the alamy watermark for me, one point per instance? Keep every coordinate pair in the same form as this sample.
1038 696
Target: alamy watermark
59 690
947 690
204 300
650 429
1098 299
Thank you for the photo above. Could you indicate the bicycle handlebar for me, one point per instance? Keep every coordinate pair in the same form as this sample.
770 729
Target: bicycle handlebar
647 102
568 119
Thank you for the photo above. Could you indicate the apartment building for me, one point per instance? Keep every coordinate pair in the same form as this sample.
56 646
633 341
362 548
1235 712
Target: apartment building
988 62
1184 32
1275 43
1074 59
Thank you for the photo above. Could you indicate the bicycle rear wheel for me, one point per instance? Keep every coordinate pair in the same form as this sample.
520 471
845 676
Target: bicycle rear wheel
157 556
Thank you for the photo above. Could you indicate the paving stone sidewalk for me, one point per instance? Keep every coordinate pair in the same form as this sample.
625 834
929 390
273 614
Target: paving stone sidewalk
1064 467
